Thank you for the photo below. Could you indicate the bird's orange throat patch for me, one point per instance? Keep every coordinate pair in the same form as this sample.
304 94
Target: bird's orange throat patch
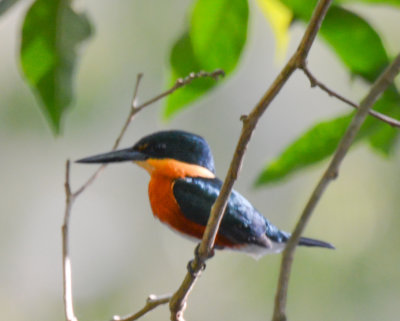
163 173
173 168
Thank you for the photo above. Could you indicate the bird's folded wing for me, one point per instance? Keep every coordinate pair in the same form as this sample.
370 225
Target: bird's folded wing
241 224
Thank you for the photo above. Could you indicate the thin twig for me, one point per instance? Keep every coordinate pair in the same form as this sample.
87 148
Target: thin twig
151 303
178 301
183 82
315 82
380 85
67 283
132 112
137 108
71 196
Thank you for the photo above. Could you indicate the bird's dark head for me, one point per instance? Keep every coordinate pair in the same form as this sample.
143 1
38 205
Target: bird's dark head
174 146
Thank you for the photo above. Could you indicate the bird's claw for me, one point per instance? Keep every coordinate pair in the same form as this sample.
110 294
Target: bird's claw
209 255
192 271
195 272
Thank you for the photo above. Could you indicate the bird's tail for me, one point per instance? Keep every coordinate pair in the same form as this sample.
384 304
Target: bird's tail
279 236
305 241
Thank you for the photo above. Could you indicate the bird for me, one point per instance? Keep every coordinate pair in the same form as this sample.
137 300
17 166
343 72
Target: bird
183 187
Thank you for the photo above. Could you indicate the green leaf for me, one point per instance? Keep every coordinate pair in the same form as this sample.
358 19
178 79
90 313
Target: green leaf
384 139
215 39
321 141
355 42
361 50
51 34
6 4
181 68
385 136
218 32
313 146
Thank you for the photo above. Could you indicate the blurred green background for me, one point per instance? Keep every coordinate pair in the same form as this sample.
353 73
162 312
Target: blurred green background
120 253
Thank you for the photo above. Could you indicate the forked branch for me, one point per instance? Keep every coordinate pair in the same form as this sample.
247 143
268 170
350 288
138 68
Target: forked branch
380 85
71 196
178 301
316 83
152 302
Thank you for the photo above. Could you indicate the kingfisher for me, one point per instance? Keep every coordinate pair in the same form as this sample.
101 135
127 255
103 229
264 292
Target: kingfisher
183 187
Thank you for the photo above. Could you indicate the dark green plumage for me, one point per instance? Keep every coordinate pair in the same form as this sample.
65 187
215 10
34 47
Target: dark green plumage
241 224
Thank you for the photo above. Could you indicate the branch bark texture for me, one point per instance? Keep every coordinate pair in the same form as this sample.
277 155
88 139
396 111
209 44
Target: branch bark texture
152 302
71 196
315 82
178 301
380 85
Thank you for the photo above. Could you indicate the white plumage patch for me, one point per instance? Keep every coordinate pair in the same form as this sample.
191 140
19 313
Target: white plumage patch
256 251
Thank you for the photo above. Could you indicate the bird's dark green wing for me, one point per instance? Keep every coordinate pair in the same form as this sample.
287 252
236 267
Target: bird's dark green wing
241 224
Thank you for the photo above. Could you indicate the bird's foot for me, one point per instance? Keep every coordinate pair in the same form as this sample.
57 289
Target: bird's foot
209 255
195 272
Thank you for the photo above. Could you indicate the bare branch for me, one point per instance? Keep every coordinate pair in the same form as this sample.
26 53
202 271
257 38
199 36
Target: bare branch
151 303
380 85
71 196
315 82
67 283
183 82
178 301
132 112
135 91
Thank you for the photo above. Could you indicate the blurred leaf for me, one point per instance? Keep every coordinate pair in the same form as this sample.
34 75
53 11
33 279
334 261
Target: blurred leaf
181 68
313 146
215 40
385 136
355 42
280 17
321 141
384 139
6 4
51 34
218 32
360 48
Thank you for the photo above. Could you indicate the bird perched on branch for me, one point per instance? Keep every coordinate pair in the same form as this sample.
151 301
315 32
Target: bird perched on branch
183 187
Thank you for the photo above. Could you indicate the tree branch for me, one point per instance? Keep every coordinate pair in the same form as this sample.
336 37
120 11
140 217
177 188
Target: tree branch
315 82
152 302
67 283
178 301
380 85
71 196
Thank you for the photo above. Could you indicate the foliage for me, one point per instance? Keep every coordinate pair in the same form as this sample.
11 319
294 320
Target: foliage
361 51
215 38
50 35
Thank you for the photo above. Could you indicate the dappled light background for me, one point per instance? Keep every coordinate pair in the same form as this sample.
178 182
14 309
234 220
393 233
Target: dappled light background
120 253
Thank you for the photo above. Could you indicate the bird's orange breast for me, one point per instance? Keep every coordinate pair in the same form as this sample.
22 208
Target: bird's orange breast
167 210
165 206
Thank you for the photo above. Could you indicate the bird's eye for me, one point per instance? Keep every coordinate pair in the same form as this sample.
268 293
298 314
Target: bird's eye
142 147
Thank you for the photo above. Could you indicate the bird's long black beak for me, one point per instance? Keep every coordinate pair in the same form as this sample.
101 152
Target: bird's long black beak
122 155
